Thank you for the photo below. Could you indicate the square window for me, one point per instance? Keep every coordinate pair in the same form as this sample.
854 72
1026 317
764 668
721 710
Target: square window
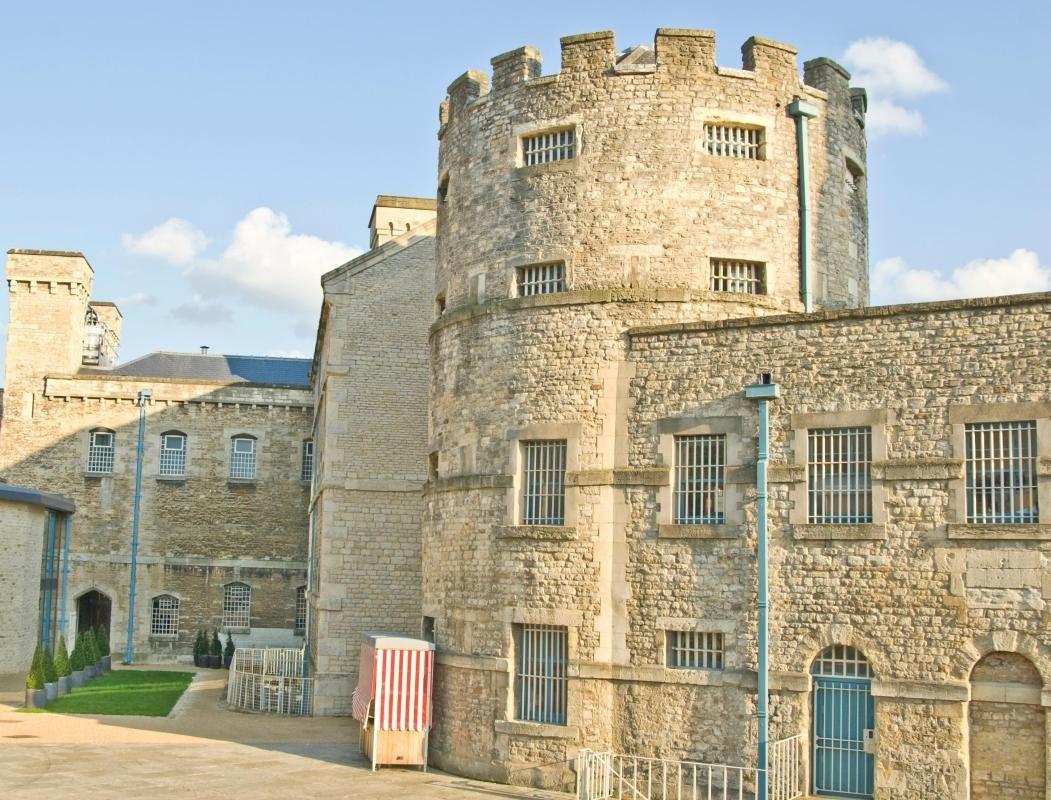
173 455
1001 473
544 482
839 476
733 141
541 279
694 649
544 148
700 479
242 458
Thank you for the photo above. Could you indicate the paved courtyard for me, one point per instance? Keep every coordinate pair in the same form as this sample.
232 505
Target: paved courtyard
204 751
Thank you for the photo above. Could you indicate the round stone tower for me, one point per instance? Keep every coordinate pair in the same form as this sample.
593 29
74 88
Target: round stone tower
637 188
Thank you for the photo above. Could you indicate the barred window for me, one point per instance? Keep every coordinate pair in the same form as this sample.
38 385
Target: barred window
165 620
543 148
1001 472
700 479
541 279
694 649
100 452
307 470
237 605
544 484
242 458
540 673
173 454
744 277
300 627
839 479
841 661
735 141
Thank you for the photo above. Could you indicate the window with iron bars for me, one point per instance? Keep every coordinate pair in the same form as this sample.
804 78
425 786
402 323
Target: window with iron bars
839 478
307 472
735 141
541 680
543 148
242 458
173 455
100 452
237 605
165 619
1001 473
544 482
700 479
300 627
695 649
541 279
742 277
841 661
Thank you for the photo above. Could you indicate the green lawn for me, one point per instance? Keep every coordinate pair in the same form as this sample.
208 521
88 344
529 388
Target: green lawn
125 691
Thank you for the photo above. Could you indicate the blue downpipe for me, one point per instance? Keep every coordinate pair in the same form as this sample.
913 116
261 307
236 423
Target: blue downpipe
67 536
129 646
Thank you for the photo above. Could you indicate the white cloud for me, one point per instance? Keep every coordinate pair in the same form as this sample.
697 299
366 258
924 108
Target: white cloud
293 353
136 299
894 281
891 70
175 241
270 266
202 312
887 117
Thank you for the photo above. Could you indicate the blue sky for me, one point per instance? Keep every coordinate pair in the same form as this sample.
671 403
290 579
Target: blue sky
265 130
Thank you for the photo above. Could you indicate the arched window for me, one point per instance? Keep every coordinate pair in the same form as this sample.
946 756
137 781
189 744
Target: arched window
242 457
173 454
237 605
100 451
301 611
165 620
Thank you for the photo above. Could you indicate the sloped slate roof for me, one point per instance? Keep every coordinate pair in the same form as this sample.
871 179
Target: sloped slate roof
234 369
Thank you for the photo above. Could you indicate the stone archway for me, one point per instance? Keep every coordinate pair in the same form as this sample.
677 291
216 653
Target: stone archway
93 610
1007 729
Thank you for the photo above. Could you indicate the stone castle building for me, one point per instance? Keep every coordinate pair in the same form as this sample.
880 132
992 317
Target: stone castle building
532 443
226 466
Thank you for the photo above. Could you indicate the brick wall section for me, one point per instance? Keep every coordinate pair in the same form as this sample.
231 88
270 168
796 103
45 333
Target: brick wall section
21 541
371 379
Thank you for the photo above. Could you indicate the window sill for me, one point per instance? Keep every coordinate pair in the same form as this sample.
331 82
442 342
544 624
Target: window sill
678 531
536 729
165 637
95 476
1027 531
174 480
227 629
241 483
865 531
540 533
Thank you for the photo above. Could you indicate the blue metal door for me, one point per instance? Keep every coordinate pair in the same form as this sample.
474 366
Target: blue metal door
844 725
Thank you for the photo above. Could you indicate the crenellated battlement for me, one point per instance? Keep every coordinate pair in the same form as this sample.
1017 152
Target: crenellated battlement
678 54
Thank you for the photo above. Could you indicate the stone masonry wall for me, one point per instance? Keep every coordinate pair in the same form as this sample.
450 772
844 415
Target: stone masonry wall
21 541
371 383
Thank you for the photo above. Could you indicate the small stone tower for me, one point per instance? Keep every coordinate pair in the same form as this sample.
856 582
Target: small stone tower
633 188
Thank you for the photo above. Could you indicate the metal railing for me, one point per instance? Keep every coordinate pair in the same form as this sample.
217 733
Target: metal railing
270 679
611 776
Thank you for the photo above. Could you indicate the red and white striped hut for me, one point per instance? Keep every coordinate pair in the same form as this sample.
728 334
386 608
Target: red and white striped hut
393 699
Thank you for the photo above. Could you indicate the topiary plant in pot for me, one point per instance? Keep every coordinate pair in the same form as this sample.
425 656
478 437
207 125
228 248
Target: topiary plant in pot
36 697
47 664
62 666
76 664
102 640
215 654
200 649
228 651
91 656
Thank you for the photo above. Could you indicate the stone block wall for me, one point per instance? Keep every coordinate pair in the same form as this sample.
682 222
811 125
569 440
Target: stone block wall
22 533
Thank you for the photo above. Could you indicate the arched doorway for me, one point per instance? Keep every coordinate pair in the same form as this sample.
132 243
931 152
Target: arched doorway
93 610
1006 722
844 721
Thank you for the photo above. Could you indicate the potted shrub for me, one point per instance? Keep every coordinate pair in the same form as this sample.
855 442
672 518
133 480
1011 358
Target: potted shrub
76 664
35 694
228 651
62 666
90 656
102 638
215 655
47 664
200 649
